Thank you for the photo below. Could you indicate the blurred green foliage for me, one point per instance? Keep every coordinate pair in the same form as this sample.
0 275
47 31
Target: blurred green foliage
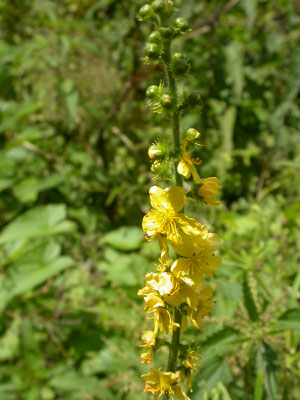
74 177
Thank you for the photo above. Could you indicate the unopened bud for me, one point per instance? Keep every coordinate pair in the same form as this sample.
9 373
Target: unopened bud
163 7
179 64
191 134
166 32
157 151
146 12
166 100
152 92
155 37
153 51
156 167
181 25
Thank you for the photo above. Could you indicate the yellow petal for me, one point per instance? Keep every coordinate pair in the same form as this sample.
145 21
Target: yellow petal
183 169
179 393
177 197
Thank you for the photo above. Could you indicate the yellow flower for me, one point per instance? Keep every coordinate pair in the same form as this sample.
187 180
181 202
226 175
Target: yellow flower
208 189
191 360
199 262
202 309
146 358
186 166
148 339
165 218
185 245
160 383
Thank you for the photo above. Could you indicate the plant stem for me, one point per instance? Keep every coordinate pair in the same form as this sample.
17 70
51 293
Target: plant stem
175 113
177 316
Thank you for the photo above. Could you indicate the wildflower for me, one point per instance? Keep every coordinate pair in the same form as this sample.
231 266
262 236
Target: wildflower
199 261
165 218
186 166
202 309
148 339
146 358
159 383
208 189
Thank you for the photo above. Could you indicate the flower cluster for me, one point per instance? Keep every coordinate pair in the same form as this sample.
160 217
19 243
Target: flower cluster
177 283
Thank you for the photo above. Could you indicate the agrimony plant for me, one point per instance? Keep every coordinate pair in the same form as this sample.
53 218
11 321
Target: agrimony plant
176 294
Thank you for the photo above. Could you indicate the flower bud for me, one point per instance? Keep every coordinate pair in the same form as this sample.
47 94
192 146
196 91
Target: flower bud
152 92
166 101
156 167
179 64
158 6
146 12
194 99
166 32
153 51
157 151
163 7
181 25
155 37
191 134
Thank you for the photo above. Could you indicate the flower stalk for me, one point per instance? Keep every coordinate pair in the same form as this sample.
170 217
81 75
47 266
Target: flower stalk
176 293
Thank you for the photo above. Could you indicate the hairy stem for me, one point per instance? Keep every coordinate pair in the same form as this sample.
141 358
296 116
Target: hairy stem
175 112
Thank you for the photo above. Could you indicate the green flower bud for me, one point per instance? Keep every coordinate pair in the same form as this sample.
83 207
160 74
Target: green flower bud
153 51
179 64
157 151
166 101
166 32
163 7
190 100
191 134
152 92
181 25
193 99
158 6
155 37
146 12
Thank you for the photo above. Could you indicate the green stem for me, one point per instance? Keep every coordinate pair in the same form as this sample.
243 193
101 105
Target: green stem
177 317
175 112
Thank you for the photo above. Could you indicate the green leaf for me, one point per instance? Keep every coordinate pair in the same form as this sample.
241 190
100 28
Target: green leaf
126 238
38 222
290 319
219 342
248 300
267 364
217 370
31 270
72 381
28 189
9 342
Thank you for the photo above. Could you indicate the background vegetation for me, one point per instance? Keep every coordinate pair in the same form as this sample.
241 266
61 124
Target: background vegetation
74 178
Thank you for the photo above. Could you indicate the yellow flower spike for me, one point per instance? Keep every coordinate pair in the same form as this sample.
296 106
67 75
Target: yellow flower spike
208 189
186 166
148 339
191 360
160 383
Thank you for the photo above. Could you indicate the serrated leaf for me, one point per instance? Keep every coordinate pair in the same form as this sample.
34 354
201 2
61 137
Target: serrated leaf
249 301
